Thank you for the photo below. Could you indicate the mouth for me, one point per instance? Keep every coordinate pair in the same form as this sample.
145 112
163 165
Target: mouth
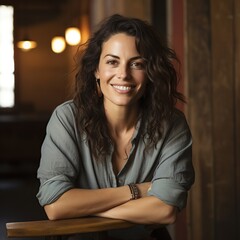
123 88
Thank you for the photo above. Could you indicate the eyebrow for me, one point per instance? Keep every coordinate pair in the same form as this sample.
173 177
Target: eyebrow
114 56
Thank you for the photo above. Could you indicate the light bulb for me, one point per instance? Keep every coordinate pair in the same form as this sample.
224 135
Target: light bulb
26 45
58 44
73 36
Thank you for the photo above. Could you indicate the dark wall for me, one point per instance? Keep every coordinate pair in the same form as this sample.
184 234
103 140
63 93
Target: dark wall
159 16
20 143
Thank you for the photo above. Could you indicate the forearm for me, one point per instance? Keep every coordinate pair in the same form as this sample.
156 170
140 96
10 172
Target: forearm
147 210
83 202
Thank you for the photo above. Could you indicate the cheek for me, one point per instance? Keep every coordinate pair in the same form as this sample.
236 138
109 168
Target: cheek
106 73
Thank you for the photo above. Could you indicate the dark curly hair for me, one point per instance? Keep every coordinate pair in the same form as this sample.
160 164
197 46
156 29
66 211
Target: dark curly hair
161 94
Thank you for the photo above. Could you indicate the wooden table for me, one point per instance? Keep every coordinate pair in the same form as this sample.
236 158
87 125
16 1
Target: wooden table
58 228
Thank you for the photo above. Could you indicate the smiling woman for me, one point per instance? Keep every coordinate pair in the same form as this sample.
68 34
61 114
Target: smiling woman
120 149
7 78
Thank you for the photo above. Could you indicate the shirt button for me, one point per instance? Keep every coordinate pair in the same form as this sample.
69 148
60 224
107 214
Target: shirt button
120 182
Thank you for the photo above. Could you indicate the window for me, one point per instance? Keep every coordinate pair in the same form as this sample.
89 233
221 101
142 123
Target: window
7 68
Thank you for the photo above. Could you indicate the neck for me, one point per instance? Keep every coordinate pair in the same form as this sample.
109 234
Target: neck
121 119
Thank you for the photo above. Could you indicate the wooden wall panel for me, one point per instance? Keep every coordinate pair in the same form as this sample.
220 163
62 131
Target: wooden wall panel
237 110
222 38
213 61
198 62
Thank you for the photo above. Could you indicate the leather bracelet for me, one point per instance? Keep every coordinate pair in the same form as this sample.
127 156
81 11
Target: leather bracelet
134 191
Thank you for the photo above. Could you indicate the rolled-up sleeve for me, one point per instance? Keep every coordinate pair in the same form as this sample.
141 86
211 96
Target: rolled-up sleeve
51 189
59 163
174 174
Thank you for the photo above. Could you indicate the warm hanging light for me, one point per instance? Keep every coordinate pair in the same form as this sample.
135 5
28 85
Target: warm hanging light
73 36
58 44
26 44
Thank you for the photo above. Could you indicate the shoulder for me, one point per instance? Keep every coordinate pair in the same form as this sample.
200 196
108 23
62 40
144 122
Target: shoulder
66 110
66 107
64 114
177 124
178 118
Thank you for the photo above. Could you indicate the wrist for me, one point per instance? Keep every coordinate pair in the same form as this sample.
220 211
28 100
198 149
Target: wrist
135 193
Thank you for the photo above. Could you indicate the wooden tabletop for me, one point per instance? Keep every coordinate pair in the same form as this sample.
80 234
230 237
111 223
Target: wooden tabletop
63 227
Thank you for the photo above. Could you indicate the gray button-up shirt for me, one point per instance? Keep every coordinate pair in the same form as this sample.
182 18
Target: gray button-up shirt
67 162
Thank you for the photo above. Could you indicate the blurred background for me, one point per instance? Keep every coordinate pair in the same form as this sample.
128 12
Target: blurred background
37 69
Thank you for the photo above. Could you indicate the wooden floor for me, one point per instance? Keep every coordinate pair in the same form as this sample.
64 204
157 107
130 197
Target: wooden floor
18 201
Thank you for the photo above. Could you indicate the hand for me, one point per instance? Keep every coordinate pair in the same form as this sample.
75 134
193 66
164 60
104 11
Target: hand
143 188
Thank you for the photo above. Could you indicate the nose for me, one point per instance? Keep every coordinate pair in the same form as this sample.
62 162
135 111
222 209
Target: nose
123 72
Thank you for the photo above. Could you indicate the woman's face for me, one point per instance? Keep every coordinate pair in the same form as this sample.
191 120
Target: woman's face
121 71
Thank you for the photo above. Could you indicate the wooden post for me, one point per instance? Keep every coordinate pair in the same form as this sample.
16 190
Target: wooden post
212 53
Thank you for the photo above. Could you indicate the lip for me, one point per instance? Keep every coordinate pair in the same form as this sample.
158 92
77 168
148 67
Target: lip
120 88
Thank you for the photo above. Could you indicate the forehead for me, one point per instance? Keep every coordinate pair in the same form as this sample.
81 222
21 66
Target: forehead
120 42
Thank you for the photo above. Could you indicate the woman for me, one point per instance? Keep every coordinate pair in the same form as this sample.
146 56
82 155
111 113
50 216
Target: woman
119 149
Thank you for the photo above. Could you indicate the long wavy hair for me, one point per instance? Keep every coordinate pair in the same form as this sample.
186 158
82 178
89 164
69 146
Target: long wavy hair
159 99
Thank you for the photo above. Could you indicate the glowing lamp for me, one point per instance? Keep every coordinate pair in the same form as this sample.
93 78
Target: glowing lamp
58 44
73 36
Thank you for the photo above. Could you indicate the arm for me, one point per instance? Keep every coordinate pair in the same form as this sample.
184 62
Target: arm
112 203
147 210
84 202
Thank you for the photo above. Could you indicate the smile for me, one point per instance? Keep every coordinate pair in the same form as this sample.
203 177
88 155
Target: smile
122 88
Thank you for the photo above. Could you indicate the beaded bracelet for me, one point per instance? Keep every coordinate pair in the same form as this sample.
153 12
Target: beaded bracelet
134 191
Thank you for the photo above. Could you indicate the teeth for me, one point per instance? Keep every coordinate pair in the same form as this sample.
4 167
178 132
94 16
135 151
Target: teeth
123 88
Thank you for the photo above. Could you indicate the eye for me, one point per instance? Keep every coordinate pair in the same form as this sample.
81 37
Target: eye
139 65
112 62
